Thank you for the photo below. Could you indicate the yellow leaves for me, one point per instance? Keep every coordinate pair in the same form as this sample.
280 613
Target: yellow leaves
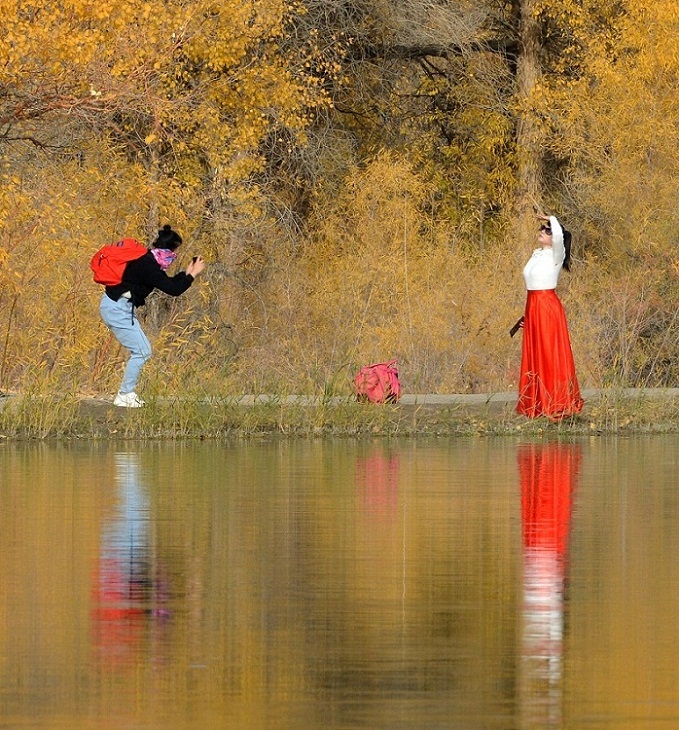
156 108
618 128
378 212
194 72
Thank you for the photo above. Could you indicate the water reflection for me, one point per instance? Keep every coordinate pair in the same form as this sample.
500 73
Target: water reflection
340 584
128 587
548 474
377 480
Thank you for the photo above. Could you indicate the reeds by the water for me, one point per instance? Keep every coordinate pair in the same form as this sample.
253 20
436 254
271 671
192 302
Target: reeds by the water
197 416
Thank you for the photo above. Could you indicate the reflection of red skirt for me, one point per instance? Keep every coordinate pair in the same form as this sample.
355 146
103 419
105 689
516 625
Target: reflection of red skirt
548 385
549 473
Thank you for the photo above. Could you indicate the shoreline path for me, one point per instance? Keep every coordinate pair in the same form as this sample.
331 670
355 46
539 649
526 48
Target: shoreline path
407 399
612 410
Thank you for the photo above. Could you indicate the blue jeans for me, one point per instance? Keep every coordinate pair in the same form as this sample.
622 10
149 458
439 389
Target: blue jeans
122 321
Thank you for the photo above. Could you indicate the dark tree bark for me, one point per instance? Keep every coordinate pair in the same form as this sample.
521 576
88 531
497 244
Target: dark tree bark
529 134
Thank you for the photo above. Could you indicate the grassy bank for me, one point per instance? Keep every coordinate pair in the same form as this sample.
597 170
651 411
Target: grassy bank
70 417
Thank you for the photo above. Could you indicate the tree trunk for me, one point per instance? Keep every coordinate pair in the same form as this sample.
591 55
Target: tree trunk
157 308
529 132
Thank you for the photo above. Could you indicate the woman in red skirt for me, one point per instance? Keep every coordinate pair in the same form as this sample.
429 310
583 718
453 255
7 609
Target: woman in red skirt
547 385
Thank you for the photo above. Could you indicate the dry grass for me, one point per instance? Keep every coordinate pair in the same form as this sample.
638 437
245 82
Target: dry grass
177 417
379 277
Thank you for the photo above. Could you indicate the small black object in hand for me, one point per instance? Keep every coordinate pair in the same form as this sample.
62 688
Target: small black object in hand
516 327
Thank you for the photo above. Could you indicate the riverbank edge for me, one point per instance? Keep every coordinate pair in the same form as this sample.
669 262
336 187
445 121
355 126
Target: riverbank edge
73 417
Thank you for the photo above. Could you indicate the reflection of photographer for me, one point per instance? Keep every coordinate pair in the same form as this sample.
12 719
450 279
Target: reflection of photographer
140 278
123 585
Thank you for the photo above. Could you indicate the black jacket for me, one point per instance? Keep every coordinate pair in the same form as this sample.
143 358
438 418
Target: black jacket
143 275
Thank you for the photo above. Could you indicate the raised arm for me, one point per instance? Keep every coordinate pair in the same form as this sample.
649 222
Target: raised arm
558 250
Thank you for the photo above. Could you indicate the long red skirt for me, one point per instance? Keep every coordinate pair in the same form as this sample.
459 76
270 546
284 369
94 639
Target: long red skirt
548 385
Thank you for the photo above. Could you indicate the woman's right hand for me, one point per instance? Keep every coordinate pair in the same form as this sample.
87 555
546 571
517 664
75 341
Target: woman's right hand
196 266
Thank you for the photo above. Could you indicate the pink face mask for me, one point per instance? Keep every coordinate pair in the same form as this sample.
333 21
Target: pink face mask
164 257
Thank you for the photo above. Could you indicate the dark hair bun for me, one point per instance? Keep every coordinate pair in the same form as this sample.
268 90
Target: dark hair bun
167 238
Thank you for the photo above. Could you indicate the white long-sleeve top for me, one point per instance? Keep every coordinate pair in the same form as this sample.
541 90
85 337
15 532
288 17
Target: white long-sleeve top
544 266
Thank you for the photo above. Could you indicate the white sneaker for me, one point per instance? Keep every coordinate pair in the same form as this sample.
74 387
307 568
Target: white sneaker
128 400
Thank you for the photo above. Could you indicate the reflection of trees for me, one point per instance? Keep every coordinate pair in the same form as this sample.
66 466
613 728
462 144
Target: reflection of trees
548 479
412 576
295 605
297 583
294 602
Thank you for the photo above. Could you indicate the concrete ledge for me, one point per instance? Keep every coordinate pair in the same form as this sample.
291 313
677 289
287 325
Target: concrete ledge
408 399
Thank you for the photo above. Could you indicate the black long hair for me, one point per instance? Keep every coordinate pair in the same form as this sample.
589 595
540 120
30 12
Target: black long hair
167 238
567 248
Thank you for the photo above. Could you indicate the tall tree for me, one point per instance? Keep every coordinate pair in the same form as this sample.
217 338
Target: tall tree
529 131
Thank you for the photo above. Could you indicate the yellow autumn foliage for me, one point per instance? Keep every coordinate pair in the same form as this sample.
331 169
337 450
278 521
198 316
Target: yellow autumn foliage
117 117
351 175
385 280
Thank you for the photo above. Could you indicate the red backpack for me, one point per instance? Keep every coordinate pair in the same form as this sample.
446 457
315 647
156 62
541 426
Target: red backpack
378 383
110 260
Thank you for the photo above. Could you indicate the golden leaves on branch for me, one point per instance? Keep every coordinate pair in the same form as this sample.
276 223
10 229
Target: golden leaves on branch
168 69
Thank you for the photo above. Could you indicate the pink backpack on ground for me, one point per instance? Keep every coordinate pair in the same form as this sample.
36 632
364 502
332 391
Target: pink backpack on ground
378 383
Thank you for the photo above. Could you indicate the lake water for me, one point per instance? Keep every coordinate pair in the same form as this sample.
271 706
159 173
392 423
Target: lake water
340 585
